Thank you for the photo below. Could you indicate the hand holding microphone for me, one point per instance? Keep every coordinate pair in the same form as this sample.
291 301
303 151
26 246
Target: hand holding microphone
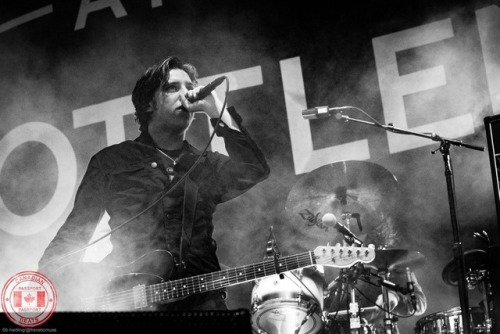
204 91
195 100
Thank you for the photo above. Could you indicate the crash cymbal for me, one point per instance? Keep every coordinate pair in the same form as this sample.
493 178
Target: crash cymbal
395 259
361 195
475 259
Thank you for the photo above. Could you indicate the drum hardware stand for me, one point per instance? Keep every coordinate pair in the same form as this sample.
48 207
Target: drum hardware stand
481 276
351 276
444 148
389 320
350 238
273 252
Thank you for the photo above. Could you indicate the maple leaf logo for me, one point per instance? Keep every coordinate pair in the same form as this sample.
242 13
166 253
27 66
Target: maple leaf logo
29 298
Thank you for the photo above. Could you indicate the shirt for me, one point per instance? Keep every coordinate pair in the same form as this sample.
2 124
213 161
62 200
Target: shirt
127 179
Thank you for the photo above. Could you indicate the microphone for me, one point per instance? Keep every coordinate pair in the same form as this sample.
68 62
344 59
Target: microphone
205 91
323 112
411 289
330 219
392 286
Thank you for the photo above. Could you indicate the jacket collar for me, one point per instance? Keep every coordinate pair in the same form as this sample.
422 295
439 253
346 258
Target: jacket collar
146 139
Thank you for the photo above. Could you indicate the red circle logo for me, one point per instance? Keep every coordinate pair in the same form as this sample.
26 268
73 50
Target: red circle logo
29 299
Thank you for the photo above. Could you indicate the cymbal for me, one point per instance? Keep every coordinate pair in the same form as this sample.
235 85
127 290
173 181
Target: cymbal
475 259
359 194
395 259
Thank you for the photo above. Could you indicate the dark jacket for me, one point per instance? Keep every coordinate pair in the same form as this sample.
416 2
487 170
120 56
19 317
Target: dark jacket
127 178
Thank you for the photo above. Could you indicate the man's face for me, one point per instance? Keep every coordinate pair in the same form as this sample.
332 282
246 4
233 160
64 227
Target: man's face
166 108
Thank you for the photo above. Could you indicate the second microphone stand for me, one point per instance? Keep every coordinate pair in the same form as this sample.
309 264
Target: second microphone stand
458 253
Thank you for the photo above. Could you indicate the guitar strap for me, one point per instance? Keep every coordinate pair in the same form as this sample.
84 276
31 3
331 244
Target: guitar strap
188 214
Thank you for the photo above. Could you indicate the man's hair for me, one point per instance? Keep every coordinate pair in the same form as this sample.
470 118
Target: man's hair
156 77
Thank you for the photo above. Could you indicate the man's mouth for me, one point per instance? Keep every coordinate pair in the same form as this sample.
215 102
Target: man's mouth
183 109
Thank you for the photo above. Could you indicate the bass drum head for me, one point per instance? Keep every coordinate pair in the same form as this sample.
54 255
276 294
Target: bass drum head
281 303
284 317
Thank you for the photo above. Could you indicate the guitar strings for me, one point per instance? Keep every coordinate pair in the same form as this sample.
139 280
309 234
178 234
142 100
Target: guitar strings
178 289
182 287
185 286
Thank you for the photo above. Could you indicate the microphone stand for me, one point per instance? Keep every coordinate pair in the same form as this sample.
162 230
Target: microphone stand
351 277
458 253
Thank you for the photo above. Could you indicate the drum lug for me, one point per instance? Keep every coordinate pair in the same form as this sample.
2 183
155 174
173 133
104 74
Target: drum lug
255 307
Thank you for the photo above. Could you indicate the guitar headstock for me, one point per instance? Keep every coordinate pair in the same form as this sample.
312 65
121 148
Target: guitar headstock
343 256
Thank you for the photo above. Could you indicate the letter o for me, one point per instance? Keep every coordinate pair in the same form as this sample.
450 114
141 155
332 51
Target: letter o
60 146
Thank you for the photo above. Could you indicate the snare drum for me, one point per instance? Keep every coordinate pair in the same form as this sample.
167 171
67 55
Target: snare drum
280 305
450 322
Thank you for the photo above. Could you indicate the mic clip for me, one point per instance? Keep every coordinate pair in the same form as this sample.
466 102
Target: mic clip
349 237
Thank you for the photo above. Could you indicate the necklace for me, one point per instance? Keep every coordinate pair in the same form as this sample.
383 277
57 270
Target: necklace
168 156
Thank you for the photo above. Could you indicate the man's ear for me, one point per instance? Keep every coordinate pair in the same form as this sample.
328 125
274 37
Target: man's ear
151 106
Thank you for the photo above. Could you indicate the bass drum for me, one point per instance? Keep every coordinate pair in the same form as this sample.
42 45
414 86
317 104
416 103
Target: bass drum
280 305
450 322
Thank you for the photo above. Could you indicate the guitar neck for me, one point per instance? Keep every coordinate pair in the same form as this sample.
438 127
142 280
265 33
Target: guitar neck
142 295
224 278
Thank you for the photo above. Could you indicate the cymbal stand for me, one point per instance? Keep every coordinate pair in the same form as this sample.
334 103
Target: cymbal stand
389 319
444 148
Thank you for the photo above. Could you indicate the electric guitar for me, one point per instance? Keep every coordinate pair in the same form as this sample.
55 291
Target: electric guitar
138 286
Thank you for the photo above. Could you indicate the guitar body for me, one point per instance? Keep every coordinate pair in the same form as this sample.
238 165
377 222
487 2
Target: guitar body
95 287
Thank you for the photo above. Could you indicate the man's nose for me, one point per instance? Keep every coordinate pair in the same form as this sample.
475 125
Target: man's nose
183 90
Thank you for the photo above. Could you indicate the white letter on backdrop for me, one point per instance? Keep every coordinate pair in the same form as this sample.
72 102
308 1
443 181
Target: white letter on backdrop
305 158
88 6
394 87
60 146
111 113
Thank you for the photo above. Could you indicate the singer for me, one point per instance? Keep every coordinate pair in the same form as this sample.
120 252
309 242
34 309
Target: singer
158 223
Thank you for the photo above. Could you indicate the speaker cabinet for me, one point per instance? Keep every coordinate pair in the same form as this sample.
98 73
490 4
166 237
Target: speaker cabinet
492 126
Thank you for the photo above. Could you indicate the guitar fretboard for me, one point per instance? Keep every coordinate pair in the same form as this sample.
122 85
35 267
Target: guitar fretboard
220 279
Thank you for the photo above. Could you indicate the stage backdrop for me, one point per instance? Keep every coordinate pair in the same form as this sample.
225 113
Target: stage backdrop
67 69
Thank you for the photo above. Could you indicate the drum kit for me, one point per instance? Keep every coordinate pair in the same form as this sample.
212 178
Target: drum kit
480 317
351 202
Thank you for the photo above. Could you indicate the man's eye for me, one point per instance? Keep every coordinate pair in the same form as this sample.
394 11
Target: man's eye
171 89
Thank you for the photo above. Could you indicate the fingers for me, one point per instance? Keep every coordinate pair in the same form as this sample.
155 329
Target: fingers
393 300
208 105
413 278
380 301
191 94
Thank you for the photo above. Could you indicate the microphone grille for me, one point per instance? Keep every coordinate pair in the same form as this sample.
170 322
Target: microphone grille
329 219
